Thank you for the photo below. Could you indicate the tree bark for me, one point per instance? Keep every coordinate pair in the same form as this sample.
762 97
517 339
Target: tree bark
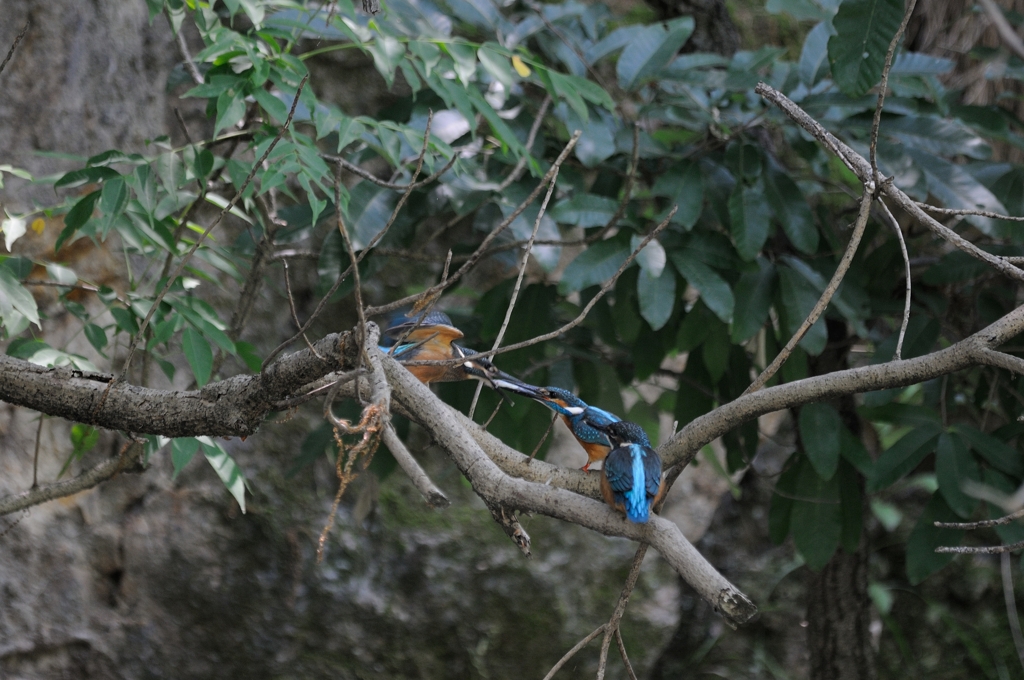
838 617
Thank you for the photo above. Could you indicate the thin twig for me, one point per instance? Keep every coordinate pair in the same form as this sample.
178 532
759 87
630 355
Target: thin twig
291 306
35 457
125 461
520 165
354 265
434 497
826 296
519 282
551 425
622 652
981 550
572 324
906 262
953 212
1011 606
1006 32
186 57
231 204
862 169
572 652
982 524
14 46
439 288
370 177
620 608
884 85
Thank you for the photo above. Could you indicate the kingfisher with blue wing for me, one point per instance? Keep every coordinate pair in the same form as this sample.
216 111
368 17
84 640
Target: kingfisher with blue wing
581 418
631 480
431 337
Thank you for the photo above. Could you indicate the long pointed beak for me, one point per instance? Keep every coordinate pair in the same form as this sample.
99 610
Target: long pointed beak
504 381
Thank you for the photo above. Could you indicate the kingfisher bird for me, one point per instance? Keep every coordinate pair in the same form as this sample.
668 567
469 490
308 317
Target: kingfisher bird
631 482
432 337
581 418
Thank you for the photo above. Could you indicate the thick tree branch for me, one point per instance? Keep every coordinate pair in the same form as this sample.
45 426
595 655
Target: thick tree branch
230 408
971 351
491 484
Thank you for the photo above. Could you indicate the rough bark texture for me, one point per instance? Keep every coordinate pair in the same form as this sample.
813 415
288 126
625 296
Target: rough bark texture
839 619
838 606
714 30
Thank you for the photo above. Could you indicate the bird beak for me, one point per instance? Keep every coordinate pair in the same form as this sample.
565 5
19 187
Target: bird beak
506 382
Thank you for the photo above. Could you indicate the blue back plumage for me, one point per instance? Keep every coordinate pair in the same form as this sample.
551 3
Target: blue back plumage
633 470
583 421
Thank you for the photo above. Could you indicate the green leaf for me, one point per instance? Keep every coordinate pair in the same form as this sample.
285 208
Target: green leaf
313 447
96 336
85 176
713 289
493 57
791 211
851 503
749 217
903 456
77 217
820 431
754 292
499 127
781 510
271 104
956 188
226 468
657 297
798 298
585 210
248 354
83 440
204 163
593 266
864 29
182 451
230 109
198 354
564 87
954 464
15 300
650 51
591 91
922 560
853 451
813 63
997 453
816 520
683 185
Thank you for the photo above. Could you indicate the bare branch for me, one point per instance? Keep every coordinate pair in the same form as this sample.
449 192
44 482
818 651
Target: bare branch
826 296
860 167
520 165
495 487
439 288
14 46
1003 28
1006 571
509 523
979 550
906 262
955 212
620 608
575 322
370 177
884 85
572 652
129 460
186 57
982 524
681 448
519 281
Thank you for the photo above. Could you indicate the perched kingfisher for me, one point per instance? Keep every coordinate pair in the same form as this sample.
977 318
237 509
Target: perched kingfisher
432 338
631 482
581 418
